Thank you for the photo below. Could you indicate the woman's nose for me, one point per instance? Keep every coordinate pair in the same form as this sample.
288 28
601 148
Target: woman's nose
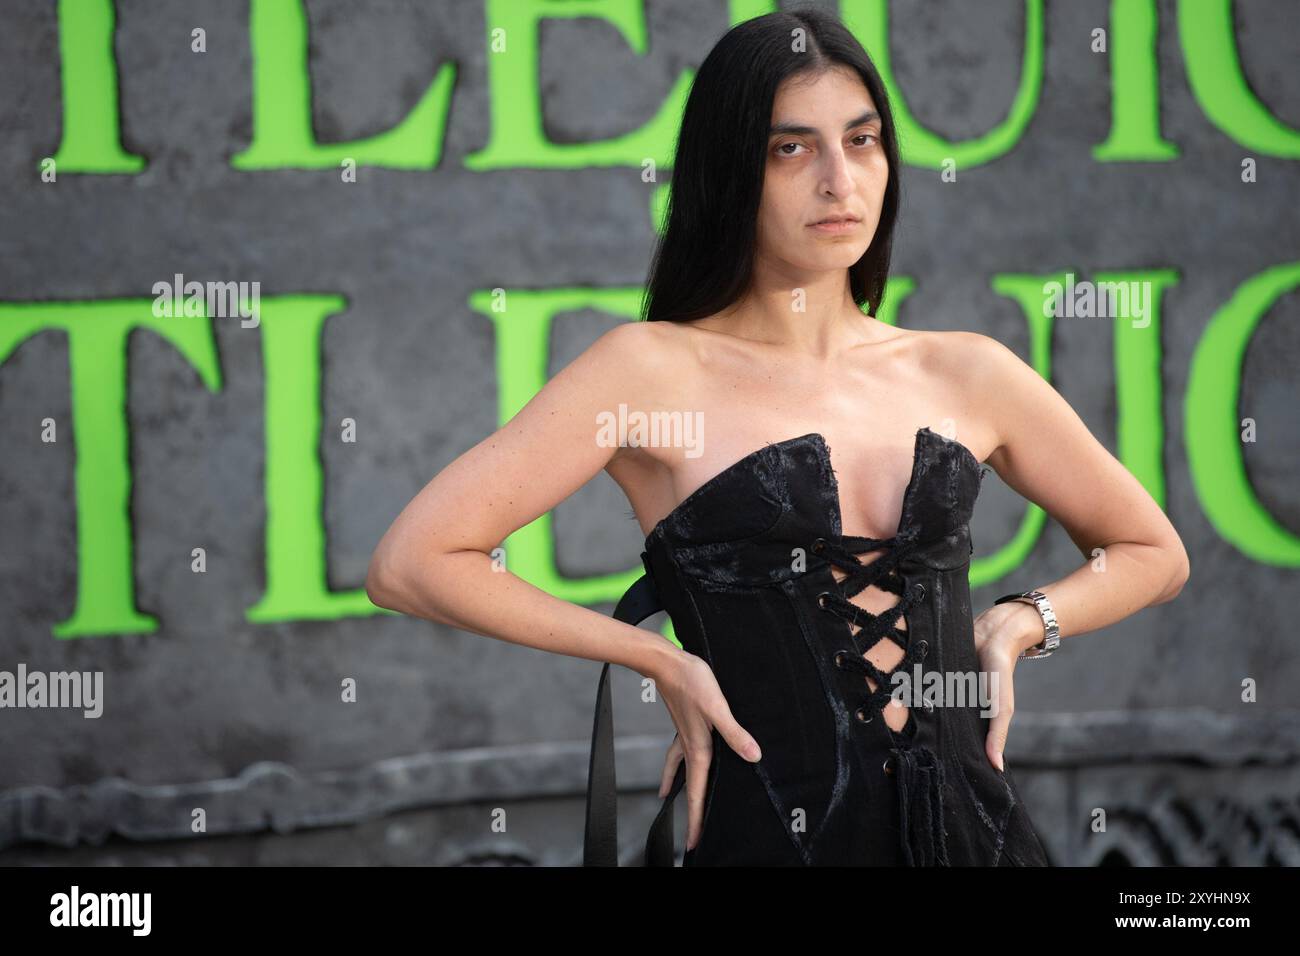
836 178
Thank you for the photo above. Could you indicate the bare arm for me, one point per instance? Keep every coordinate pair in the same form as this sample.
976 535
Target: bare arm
434 562
1047 454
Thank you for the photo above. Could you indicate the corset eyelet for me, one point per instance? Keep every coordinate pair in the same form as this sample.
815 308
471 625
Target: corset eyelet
821 599
922 648
920 590
864 716
928 706
888 766
840 657
819 546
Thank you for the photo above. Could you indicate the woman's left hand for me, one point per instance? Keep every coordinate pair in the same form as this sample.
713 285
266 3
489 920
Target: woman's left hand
1001 633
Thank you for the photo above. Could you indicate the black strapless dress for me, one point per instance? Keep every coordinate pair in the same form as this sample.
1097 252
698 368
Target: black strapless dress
743 568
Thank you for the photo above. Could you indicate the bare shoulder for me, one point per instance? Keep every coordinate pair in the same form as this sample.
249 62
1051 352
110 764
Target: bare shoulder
1006 395
950 359
974 372
648 344
629 354
987 371
646 363
962 355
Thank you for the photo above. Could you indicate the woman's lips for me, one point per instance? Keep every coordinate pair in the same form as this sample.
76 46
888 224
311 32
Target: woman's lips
833 228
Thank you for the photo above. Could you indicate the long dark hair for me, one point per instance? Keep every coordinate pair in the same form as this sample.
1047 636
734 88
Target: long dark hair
704 260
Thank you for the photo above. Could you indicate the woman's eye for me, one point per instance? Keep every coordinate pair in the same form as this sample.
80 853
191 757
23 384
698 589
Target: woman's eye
789 149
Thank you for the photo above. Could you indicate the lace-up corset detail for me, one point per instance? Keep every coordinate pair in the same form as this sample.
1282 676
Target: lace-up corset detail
882 573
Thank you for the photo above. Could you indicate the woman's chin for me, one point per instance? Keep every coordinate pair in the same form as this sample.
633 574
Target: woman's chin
841 255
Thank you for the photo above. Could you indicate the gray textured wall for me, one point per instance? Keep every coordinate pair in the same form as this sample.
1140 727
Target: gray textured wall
1144 718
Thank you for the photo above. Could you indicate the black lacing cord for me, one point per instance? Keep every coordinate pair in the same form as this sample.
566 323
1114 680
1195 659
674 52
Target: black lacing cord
883 573
919 772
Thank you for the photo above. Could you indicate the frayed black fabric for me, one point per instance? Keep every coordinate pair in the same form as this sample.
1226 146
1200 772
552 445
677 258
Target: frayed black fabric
920 806
743 567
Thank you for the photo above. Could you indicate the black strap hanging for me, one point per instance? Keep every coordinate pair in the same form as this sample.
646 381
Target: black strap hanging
600 844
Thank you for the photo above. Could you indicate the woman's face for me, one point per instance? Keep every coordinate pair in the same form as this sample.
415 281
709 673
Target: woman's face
824 159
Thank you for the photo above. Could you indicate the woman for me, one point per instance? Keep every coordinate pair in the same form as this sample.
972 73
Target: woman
806 587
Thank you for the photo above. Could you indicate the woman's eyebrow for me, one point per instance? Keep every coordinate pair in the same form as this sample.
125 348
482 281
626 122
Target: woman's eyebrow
796 129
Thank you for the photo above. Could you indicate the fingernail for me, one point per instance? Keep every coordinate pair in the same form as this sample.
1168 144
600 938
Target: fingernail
1002 764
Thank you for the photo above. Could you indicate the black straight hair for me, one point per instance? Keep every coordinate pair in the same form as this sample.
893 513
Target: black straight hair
704 260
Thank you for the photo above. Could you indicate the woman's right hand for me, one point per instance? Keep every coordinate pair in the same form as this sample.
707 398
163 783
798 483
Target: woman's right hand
694 700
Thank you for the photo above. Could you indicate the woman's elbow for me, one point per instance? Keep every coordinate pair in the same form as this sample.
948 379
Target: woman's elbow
381 585
392 583
376 586
1178 575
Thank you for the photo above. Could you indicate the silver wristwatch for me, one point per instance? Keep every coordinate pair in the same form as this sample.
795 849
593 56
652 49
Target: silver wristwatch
1052 634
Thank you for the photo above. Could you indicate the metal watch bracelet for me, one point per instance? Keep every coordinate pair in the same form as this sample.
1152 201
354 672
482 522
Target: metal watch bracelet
1051 633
